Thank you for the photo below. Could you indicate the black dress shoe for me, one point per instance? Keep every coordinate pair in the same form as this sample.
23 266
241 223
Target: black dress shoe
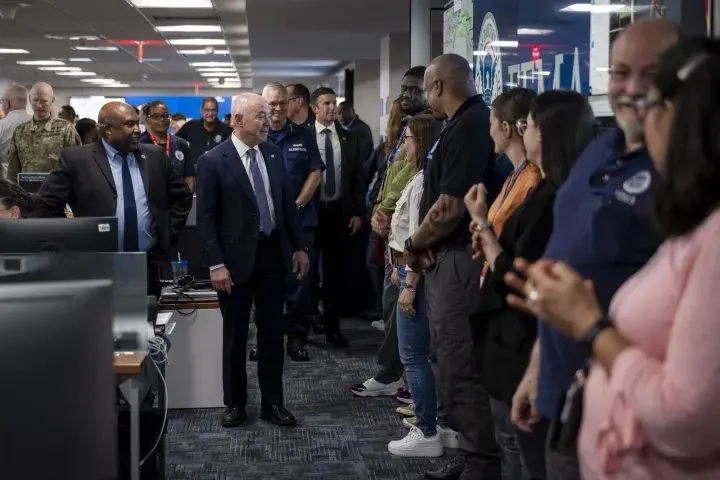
253 355
337 339
233 417
296 350
449 471
318 328
278 415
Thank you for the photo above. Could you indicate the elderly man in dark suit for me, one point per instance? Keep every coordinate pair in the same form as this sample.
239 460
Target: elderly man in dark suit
251 237
118 177
340 202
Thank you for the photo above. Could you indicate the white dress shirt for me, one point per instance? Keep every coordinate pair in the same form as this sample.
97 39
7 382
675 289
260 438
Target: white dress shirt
406 218
7 128
243 150
337 157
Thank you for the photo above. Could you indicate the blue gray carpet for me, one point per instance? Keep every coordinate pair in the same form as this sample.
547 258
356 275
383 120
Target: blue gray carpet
339 436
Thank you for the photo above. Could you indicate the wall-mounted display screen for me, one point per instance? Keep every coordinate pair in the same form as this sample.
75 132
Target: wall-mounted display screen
88 107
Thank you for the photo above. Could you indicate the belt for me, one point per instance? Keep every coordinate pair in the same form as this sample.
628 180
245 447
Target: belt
397 258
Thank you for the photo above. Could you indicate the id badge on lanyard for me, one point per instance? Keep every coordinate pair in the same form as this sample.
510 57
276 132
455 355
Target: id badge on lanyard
395 149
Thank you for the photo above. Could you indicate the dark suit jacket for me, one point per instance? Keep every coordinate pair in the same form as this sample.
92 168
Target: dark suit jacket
84 181
352 179
228 220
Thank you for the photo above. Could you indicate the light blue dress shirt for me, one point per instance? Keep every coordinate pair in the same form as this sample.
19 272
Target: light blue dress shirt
146 235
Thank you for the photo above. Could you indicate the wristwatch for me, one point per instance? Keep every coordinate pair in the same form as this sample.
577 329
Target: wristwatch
588 339
300 207
409 245
304 249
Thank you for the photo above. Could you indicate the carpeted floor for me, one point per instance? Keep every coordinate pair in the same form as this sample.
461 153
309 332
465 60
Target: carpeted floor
339 436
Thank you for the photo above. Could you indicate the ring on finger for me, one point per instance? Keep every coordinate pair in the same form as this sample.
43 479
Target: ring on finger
533 296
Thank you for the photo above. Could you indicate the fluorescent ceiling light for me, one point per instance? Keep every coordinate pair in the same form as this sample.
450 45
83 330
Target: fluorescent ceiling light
533 31
189 29
75 38
98 80
118 85
60 69
178 4
228 69
218 74
77 74
203 52
504 43
104 48
479 53
12 50
197 41
211 64
45 63
80 59
590 8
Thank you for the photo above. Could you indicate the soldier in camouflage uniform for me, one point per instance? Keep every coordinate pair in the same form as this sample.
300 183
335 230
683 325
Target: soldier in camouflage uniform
36 144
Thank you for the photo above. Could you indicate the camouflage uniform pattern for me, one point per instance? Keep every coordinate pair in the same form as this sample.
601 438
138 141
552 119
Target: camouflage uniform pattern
36 146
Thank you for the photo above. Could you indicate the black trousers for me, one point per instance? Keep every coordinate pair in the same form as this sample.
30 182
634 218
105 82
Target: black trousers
298 306
332 234
264 288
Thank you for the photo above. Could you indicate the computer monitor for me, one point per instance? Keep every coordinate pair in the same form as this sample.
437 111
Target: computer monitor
33 235
31 182
56 361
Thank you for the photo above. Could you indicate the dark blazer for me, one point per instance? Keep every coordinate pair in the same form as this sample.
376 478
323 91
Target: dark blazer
352 179
228 221
508 335
84 181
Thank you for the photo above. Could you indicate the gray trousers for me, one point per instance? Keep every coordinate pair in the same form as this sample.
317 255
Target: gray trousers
391 368
452 292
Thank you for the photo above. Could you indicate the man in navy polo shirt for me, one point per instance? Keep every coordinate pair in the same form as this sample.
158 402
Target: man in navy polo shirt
303 166
603 227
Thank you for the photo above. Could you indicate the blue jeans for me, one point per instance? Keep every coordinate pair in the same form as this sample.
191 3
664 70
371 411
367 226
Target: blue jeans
413 335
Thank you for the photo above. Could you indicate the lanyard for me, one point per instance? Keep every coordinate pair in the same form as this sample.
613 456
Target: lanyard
434 145
391 158
154 140
510 186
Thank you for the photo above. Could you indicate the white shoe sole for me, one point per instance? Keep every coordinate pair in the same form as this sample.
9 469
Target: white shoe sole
425 452
450 442
383 392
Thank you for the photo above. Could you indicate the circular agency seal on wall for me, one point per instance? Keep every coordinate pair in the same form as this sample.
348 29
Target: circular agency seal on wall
488 64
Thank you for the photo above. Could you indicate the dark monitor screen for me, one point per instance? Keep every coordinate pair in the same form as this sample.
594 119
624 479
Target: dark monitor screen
34 235
31 182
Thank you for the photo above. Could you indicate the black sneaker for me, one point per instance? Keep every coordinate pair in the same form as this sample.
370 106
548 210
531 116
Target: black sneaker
403 396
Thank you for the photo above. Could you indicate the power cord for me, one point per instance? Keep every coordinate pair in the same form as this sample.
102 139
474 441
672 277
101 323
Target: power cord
183 285
158 349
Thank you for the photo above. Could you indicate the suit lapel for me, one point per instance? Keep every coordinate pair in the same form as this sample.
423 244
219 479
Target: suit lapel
100 158
234 164
274 175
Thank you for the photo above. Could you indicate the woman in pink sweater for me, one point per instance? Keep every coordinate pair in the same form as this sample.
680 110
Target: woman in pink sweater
652 399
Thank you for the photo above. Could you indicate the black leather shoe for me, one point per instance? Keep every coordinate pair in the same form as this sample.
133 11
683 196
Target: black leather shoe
337 339
296 350
278 415
449 471
233 417
253 355
318 328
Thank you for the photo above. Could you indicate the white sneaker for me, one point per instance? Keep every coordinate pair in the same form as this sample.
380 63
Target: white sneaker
415 444
378 324
448 436
406 410
373 388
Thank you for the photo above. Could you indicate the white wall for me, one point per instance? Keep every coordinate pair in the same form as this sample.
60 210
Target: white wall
394 62
367 94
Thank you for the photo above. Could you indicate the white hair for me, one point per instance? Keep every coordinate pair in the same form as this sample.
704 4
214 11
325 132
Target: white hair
241 103
16 96
275 87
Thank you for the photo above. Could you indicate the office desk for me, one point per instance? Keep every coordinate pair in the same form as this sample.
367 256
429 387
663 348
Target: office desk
195 379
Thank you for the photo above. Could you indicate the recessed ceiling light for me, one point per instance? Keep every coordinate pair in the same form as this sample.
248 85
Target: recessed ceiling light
12 50
590 8
222 69
172 3
104 48
60 69
189 29
76 74
533 31
203 52
211 64
80 59
218 74
45 63
197 41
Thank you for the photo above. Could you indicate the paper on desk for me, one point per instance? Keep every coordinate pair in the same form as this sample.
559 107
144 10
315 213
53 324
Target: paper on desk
163 318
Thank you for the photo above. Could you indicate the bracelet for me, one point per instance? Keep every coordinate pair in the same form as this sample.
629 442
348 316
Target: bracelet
482 226
409 287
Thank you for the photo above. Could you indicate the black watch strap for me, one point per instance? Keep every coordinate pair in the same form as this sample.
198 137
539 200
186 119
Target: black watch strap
409 245
588 339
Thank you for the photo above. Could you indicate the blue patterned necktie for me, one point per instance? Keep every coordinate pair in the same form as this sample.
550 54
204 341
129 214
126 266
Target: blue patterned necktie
260 193
329 164
130 233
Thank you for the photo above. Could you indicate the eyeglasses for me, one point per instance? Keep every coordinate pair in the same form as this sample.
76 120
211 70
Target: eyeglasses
159 116
521 126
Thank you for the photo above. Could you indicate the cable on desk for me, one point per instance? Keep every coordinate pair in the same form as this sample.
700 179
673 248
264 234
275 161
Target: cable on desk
161 351
179 291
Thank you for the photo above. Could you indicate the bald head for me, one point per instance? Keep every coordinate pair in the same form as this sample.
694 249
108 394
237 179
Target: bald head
41 100
250 113
634 59
120 126
448 83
